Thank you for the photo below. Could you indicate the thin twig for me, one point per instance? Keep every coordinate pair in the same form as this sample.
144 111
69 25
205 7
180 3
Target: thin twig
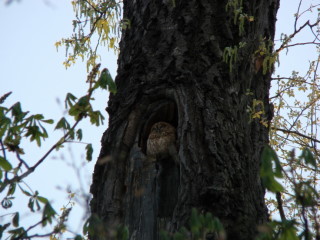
283 45
21 160
297 16
35 235
300 44
297 133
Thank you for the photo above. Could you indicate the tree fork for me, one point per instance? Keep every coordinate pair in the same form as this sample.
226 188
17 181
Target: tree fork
171 69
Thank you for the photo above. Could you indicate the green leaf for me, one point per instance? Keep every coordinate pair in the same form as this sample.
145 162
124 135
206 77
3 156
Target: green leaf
6 202
308 157
122 233
78 237
86 225
267 173
218 226
70 100
18 232
59 144
164 235
272 185
38 204
15 220
79 134
83 101
4 125
35 134
17 112
74 111
102 81
42 199
195 223
44 132
31 204
179 236
89 152
81 108
62 124
269 156
25 192
4 97
71 134
90 224
96 118
288 230
3 228
306 195
12 188
49 121
106 80
48 214
5 165
38 117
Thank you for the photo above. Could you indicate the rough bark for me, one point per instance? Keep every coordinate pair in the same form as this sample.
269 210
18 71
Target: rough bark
171 69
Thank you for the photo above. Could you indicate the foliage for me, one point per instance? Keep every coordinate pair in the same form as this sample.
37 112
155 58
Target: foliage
17 125
230 54
98 229
201 227
239 17
296 124
97 23
304 195
265 57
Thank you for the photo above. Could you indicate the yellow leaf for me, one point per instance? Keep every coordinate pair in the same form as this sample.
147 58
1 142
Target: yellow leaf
257 115
112 41
264 123
58 44
251 18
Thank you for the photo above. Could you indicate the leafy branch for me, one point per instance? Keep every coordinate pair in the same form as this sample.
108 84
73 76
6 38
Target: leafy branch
104 19
13 130
287 39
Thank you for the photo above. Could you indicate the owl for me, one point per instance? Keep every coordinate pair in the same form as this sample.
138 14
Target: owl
161 140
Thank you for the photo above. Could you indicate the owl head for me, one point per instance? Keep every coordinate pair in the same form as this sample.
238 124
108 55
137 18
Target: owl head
162 127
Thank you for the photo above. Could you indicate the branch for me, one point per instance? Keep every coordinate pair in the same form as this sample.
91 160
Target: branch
297 16
300 44
297 133
17 178
35 235
280 207
21 160
31 169
283 45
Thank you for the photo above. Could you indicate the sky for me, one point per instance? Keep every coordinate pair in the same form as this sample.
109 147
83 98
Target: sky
32 69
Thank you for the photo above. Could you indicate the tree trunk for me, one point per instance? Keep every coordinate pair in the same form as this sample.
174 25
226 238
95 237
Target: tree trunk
171 70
